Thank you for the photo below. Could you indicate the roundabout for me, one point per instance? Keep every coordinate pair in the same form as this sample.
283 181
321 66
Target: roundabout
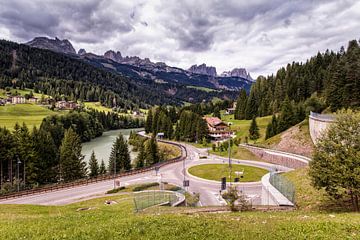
215 172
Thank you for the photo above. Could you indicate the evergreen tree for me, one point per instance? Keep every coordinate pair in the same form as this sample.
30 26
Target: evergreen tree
141 157
72 165
152 151
102 169
217 112
241 105
254 130
286 118
251 110
149 123
119 156
93 165
26 154
47 156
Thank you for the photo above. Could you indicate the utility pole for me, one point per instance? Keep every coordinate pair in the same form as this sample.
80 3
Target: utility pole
18 173
230 167
116 155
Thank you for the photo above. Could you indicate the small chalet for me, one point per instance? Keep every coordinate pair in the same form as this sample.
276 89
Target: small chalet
218 130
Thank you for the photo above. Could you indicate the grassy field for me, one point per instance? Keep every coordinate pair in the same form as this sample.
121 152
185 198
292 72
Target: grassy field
21 92
217 171
238 153
205 89
97 106
30 114
242 126
118 221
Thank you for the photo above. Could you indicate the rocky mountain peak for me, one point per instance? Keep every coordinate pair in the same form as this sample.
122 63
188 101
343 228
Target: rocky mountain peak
237 72
203 69
115 56
81 51
56 45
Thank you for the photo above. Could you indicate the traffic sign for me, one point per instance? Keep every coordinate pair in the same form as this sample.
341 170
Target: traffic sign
223 183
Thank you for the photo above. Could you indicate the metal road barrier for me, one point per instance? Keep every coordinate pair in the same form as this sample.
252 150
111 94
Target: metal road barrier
87 181
283 185
145 199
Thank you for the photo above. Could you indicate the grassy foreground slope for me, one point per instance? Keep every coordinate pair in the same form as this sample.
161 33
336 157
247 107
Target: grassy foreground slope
118 221
30 114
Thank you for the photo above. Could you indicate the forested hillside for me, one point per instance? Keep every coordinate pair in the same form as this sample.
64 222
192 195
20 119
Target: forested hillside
333 77
57 74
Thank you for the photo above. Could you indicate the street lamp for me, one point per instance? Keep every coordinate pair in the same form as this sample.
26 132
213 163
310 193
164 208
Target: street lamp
18 174
230 167
116 156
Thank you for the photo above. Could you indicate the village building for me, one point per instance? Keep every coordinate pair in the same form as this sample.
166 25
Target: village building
18 100
218 130
231 110
33 100
66 105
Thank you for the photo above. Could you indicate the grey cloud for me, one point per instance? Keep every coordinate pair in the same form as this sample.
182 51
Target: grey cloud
260 35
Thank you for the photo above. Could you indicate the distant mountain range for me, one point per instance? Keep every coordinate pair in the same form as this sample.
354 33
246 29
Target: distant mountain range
137 68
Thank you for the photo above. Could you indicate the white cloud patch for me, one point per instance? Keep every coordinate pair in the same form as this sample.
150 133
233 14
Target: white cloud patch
259 35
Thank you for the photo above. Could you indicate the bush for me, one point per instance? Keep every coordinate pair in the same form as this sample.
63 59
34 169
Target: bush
175 188
145 186
115 190
192 199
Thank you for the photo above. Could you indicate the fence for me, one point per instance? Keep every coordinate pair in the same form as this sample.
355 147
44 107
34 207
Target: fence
147 199
283 185
54 187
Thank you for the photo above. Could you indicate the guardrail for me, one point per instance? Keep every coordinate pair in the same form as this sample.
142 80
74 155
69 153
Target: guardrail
84 182
323 117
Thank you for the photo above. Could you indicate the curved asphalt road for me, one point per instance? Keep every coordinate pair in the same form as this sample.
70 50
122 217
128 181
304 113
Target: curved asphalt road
172 173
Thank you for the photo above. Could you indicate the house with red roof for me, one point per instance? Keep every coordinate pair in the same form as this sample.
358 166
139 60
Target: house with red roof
218 130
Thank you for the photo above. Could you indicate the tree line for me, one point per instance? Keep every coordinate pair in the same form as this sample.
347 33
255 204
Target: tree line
327 80
148 150
52 152
189 126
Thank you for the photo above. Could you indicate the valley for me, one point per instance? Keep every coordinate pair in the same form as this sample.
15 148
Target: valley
179 120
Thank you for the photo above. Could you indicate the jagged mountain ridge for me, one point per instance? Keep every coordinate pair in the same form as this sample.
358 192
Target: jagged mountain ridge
56 45
146 70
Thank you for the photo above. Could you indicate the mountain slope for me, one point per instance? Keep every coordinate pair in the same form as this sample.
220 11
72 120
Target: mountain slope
70 75
144 70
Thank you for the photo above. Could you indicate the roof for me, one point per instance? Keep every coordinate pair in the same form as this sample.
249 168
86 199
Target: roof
213 121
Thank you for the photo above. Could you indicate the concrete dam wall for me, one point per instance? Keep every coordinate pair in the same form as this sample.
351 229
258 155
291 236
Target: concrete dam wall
318 123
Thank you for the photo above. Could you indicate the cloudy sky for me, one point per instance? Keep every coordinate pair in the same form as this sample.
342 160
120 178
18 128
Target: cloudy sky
260 35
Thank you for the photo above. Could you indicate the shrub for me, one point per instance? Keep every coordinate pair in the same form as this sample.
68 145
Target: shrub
145 186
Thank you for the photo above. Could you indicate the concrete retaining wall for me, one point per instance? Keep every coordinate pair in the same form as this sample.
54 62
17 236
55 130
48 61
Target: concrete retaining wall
280 158
318 123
